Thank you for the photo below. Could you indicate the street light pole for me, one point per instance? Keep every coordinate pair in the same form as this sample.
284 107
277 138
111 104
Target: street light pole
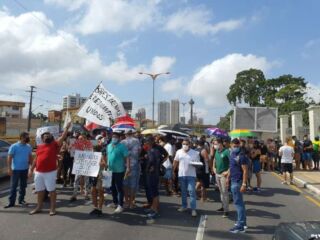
153 77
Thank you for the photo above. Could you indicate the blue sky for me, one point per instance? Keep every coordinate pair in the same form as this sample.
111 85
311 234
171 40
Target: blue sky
68 46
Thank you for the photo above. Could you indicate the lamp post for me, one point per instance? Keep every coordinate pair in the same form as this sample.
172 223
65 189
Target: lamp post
153 77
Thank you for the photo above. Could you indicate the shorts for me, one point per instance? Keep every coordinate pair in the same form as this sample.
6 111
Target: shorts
153 185
96 181
306 156
204 178
256 167
132 181
315 157
263 158
45 181
287 167
168 174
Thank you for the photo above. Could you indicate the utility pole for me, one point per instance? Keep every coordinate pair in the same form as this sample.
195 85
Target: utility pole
30 106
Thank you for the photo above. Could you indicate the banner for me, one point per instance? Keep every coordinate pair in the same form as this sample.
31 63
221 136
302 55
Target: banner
86 163
101 106
54 130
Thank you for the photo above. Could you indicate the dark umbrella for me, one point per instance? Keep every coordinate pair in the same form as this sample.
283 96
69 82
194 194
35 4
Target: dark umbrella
216 132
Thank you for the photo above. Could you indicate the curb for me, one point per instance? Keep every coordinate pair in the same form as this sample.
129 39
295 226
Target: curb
307 185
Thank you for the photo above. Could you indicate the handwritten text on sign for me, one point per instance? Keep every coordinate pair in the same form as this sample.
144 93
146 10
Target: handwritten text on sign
86 163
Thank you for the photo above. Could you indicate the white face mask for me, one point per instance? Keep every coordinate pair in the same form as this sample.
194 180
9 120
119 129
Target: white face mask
185 147
216 147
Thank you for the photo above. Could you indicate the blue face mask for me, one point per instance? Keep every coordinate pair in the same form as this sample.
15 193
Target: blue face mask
114 141
236 149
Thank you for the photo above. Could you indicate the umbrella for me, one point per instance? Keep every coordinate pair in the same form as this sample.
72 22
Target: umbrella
173 131
217 132
152 131
237 133
123 128
124 120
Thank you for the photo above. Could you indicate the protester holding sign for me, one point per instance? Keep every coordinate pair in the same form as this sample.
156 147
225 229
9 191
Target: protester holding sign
81 144
117 156
45 164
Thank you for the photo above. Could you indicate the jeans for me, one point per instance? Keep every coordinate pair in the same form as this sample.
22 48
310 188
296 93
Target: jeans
117 188
152 186
224 194
188 184
22 176
238 203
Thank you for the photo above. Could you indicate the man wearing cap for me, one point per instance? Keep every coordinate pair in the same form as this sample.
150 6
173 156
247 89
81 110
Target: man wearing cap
19 159
45 164
238 174
117 160
131 183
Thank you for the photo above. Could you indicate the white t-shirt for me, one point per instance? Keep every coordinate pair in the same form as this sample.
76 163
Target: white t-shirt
184 159
168 147
286 152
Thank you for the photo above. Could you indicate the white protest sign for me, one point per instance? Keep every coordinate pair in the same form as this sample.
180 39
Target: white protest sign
86 163
68 119
54 130
101 106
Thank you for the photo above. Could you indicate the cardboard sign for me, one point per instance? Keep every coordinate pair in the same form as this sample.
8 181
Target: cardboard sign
86 163
54 130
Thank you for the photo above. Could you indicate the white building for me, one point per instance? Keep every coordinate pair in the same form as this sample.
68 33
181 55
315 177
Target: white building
163 113
175 111
11 109
73 100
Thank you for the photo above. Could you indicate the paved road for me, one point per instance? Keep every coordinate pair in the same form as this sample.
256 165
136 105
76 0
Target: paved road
276 203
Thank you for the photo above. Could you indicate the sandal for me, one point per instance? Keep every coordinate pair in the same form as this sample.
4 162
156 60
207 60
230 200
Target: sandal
35 211
52 213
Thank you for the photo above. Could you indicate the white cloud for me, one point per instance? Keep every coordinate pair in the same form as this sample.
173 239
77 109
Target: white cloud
198 22
162 64
115 16
127 43
174 85
71 5
212 81
32 55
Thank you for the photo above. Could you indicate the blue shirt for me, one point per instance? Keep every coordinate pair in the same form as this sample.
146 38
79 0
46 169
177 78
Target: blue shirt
236 160
20 156
116 157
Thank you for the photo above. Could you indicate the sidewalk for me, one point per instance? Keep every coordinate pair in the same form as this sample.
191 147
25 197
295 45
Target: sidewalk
309 180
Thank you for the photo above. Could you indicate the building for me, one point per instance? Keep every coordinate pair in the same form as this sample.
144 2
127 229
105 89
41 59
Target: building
54 116
74 115
183 120
163 112
11 109
127 107
141 114
175 111
73 100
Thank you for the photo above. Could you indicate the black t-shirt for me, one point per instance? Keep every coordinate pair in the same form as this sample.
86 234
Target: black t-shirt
307 146
264 150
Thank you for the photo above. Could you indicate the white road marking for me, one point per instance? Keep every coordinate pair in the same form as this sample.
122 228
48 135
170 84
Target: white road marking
202 226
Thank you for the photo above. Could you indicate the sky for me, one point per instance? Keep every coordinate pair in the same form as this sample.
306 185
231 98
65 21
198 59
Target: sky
69 46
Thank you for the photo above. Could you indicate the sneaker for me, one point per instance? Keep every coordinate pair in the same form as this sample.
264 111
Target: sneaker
193 213
153 215
94 212
245 226
73 199
220 210
237 229
182 209
99 213
225 214
111 205
23 203
119 209
9 206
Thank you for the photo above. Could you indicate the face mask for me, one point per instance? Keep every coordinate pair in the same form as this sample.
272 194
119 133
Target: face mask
236 149
115 141
216 147
185 148
27 140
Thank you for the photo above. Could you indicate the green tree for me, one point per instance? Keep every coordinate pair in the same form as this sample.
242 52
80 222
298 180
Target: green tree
248 88
224 123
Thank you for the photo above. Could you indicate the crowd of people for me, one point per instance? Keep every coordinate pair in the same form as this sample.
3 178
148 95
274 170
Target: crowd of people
184 167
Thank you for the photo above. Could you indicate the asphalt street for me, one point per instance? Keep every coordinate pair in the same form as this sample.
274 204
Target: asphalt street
276 203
